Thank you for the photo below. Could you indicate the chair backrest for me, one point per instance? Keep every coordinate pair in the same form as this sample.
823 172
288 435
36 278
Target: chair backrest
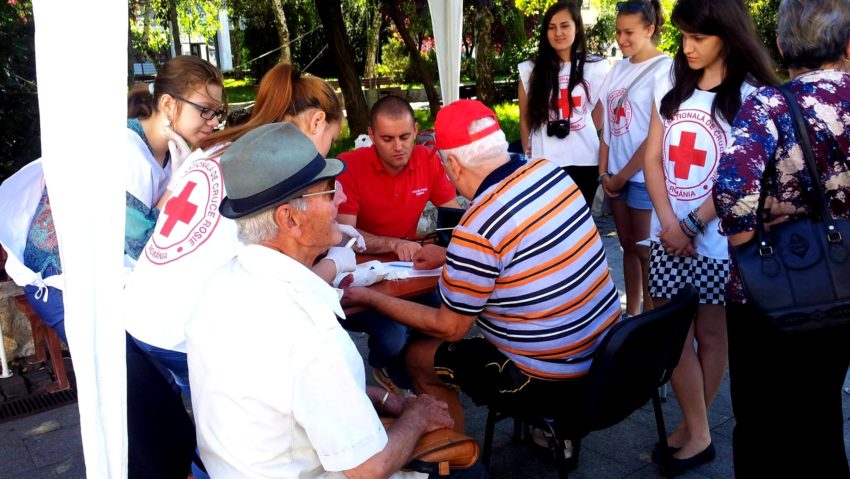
447 218
636 357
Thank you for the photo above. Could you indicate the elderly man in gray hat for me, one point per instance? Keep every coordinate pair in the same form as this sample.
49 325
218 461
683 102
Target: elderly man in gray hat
302 409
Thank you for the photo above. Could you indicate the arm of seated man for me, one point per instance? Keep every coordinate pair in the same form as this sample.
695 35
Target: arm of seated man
440 323
421 414
451 204
431 256
404 249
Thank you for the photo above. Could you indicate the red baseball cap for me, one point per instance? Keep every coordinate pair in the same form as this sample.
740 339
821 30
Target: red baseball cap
452 124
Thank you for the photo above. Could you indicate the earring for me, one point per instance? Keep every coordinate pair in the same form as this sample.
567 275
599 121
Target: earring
166 122
314 131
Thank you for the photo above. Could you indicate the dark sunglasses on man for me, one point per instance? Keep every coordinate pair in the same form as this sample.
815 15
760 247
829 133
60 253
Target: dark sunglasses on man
560 128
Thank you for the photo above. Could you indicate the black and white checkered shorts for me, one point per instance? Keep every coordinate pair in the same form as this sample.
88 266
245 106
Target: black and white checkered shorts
667 274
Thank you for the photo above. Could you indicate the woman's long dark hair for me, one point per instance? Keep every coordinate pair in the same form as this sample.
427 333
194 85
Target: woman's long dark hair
743 53
543 83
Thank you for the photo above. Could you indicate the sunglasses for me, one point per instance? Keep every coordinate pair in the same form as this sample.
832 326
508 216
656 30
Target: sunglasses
206 113
632 7
560 128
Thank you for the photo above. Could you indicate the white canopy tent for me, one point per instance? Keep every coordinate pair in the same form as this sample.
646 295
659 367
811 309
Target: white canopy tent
447 22
83 149
83 127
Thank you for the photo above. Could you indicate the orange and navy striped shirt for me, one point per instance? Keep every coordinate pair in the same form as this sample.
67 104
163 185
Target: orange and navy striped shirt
527 259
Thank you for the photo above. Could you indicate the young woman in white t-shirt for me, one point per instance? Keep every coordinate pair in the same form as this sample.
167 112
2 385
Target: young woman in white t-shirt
627 101
719 62
554 124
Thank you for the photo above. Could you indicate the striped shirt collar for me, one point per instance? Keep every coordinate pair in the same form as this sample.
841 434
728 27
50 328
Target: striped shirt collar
516 162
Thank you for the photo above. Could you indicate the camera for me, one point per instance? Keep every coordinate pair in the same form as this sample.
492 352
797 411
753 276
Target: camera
560 128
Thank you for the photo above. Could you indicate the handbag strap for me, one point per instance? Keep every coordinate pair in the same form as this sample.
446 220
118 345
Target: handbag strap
809 157
808 153
640 75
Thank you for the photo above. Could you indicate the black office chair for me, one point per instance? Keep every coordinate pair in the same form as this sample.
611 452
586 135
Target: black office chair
447 219
636 357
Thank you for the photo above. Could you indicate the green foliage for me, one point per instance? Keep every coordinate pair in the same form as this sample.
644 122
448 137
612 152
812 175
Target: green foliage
147 36
198 17
20 136
239 90
764 13
508 115
602 33
533 7
395 61
149 32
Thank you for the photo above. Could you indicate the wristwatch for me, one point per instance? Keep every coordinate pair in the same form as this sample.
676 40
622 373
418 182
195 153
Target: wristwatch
599 180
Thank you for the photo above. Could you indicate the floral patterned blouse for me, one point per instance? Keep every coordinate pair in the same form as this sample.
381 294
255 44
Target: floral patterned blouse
765 153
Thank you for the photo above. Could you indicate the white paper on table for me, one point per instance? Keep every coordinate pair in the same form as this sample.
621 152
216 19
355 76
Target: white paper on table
365 274
371 272
405 269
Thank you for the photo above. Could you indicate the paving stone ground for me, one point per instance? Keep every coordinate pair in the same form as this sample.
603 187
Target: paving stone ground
48 445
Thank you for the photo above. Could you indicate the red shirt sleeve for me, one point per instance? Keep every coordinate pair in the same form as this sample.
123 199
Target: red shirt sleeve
442 190
349 184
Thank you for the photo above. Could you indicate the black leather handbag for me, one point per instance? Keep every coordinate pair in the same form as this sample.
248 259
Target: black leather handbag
798 273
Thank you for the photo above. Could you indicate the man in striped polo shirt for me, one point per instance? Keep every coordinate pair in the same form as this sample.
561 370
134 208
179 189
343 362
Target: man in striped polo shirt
526 264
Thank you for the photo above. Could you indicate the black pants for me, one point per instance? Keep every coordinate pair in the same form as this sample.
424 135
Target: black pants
786 395
587 180
161 436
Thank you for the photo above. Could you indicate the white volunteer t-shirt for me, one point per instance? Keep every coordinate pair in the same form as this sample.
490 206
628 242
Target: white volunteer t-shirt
692 146
581 147
191 239
626 128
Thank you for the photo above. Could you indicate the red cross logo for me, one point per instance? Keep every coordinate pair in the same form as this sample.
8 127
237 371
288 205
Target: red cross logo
685 155
179 209
621 113
564 106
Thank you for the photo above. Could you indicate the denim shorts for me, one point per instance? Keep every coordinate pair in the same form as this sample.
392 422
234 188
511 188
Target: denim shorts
636 196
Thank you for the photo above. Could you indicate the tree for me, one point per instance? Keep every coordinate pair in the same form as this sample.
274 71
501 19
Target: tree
282 32
330 14
20 136
374 40
485 88
394 12
147 17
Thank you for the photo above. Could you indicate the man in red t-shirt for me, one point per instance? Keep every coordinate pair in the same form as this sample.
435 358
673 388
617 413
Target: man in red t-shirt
389 183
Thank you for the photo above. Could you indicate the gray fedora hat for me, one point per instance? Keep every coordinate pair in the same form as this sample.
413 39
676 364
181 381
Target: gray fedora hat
268 165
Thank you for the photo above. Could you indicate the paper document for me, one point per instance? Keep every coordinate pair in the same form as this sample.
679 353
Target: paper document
404 269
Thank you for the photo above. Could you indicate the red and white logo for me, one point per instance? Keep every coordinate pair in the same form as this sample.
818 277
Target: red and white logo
579 109
619 112
190 215
693 143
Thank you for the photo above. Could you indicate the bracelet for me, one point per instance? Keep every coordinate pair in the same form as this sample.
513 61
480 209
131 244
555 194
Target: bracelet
697 223
690 233
384 401
603 175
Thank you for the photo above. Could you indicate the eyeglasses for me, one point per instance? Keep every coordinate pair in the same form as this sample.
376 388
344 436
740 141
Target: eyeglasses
633 7
560 128
337 187
206 113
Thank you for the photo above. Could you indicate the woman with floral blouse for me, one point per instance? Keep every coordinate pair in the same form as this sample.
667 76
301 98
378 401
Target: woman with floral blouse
786 388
